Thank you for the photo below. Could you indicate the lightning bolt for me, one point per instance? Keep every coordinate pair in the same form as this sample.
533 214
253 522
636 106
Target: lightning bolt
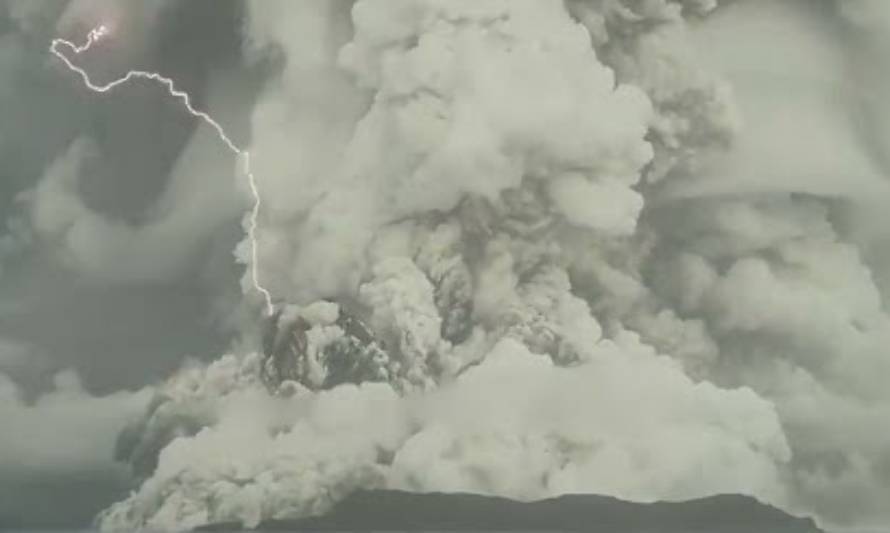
98 34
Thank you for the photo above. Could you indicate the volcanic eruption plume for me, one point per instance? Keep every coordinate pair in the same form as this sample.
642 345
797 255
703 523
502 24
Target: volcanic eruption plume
525 248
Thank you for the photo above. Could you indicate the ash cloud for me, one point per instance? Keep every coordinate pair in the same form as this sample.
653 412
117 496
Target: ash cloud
520 248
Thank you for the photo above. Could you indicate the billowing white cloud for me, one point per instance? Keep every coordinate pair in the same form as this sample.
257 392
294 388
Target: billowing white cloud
515 425
526 202
455 112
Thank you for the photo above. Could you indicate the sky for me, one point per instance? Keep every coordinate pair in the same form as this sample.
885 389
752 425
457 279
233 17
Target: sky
522 248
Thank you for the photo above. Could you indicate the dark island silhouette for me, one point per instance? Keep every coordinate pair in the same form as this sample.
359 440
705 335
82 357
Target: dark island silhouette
385 510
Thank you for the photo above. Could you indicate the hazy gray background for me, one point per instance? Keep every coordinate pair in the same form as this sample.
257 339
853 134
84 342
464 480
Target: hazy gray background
114 334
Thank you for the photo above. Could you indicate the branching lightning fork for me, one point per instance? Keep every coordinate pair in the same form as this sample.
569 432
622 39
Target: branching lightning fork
95 36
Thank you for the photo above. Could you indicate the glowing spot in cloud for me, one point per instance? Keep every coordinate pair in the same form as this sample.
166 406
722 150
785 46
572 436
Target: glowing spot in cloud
103 31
